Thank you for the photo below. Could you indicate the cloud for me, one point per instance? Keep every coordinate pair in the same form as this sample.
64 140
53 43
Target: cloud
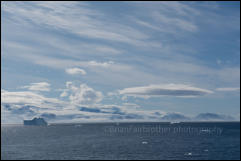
110 109
99 64
48 116
74 71
41 86
132 117
81 95
174 116
74 17
29 98
64 93
177 23
168 17
228 89
189 71
59 63
213 117
16 106
20 105
164 90
20 109
86 109
21 97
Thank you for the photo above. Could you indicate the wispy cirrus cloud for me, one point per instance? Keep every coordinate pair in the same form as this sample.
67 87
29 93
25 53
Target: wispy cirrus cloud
159 16
78 20
165 17
31 56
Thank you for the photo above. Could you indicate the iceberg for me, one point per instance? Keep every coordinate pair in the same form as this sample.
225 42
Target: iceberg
35 122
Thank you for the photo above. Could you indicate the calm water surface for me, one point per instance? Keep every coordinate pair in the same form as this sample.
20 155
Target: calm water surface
216 141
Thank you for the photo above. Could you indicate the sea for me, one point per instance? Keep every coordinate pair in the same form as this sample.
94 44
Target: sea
122 141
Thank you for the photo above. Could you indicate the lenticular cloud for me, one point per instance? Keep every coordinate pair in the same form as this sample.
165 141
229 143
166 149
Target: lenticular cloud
165 90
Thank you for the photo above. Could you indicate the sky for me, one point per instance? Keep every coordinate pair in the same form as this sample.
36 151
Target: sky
120 61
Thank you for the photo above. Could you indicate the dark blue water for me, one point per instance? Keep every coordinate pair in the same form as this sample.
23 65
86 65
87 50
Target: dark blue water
189 141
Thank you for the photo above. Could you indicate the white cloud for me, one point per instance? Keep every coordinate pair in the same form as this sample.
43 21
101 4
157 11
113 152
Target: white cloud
190 68
228 89
165 90
175 23
64 94
82 95
19 105
58 63
30 98
74 71
81 50
131 105
16 106
41 86
100 64
168 17
73 17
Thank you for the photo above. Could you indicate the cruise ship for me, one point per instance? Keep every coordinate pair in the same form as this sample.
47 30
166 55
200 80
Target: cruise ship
35 122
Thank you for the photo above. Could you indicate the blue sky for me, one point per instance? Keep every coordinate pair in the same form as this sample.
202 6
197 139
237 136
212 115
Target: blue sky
120 60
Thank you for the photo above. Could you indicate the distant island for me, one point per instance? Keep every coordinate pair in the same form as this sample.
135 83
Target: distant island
35 122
